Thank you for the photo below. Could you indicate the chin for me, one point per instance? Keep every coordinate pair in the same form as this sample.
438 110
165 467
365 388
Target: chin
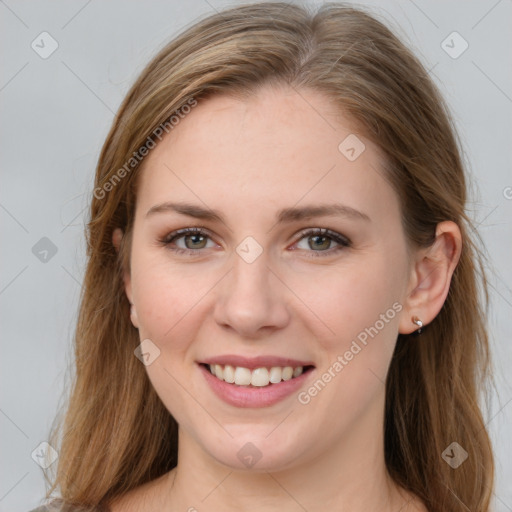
258 452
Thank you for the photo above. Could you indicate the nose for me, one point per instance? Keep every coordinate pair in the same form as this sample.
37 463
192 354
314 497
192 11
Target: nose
252 301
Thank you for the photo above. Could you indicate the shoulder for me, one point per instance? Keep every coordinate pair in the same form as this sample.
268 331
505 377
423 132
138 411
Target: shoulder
60 506
49 507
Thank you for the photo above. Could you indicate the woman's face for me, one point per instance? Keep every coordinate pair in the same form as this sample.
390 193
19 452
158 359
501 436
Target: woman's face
260 283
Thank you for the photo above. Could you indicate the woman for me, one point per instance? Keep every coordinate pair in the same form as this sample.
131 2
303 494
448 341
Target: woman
280 309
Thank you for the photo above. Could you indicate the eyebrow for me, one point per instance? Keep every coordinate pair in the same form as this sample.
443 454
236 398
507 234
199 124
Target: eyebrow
285 215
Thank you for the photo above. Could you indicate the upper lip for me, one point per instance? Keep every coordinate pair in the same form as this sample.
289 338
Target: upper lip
255 362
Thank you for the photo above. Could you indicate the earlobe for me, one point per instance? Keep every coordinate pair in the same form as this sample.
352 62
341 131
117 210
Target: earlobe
117 237
431 278
133 316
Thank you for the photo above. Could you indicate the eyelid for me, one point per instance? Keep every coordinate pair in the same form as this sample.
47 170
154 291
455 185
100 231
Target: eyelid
193 230
338 237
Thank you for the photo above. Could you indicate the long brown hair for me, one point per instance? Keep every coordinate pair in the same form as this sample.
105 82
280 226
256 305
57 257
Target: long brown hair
116 433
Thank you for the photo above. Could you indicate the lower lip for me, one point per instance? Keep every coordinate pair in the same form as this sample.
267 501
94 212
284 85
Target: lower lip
245 396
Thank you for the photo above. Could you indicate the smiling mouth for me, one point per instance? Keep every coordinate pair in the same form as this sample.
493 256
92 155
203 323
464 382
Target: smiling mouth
258 377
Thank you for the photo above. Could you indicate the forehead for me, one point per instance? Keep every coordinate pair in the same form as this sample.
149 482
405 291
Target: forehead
274 149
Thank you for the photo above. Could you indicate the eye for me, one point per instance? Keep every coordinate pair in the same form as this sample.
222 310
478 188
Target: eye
320 240
187 240
314 241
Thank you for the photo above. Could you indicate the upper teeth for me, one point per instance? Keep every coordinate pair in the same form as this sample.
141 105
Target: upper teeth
257 377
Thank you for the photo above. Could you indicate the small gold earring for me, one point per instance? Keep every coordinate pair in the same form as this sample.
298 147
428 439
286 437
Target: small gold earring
418 322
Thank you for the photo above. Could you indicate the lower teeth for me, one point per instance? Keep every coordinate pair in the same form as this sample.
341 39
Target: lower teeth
251 386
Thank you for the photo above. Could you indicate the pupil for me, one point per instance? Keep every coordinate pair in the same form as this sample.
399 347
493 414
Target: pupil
326 240
195 237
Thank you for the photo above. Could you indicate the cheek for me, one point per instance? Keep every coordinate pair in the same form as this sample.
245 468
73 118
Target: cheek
345 300
167 299
168 306
361 306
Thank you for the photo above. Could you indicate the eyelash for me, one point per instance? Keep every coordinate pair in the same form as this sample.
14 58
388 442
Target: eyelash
341 240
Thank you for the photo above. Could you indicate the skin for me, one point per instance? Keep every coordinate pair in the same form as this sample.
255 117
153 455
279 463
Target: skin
249 159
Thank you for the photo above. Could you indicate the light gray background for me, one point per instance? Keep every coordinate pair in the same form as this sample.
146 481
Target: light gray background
55 114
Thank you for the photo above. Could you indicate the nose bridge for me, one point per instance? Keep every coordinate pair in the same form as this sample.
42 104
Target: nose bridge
250 274
251 297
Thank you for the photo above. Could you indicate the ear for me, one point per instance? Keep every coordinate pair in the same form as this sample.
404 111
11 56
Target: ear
117 237
431 276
